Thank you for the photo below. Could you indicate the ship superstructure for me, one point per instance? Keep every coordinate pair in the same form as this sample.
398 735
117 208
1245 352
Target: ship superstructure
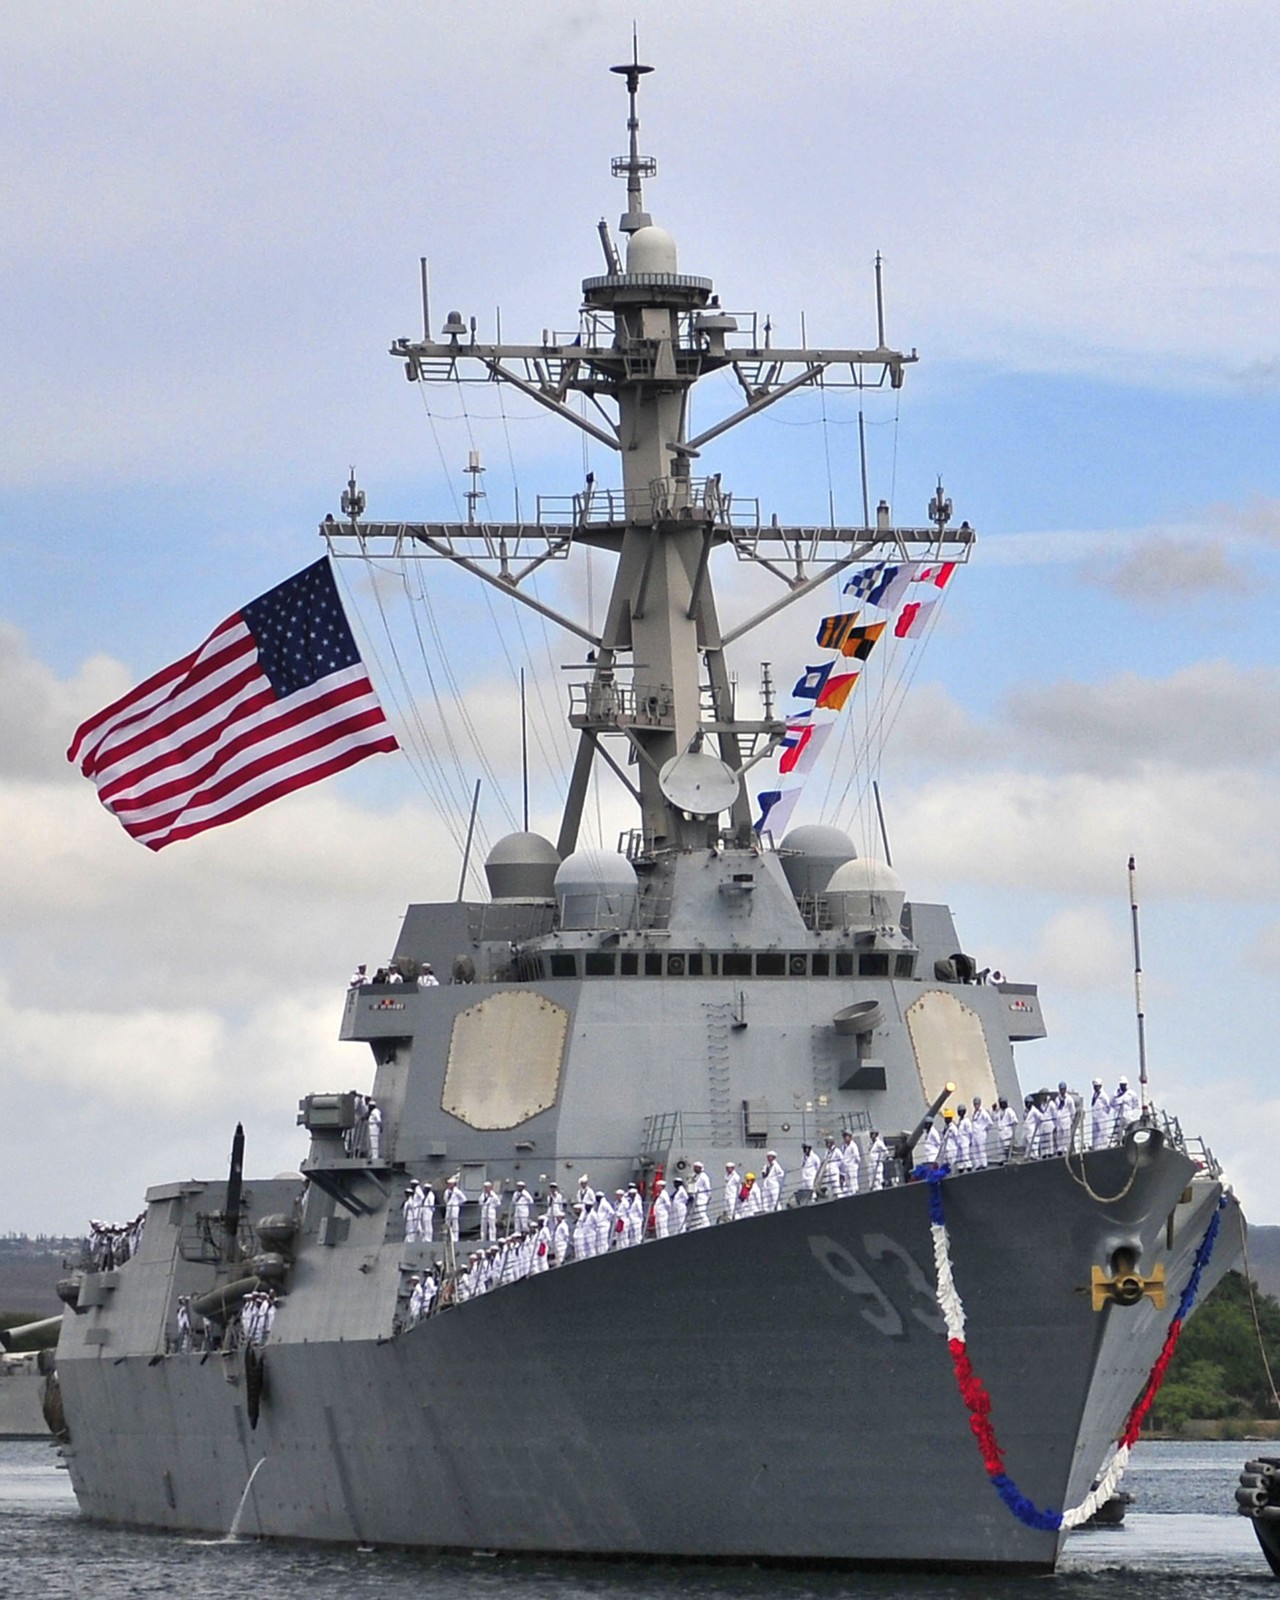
704 995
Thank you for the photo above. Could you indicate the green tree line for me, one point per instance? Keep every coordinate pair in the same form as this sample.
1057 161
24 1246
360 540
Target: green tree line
1218 1370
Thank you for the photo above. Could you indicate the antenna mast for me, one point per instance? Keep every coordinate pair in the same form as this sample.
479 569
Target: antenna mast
1137 990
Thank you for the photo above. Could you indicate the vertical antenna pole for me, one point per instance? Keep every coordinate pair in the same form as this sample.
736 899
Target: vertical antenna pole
766 690
884 832
466 854
1137 989
426 298
879 303
524 750
862 453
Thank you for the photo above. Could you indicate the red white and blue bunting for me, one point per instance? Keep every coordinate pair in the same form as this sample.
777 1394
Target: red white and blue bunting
978 1402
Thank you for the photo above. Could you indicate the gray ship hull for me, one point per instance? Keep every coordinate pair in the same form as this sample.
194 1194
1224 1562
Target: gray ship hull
777 1389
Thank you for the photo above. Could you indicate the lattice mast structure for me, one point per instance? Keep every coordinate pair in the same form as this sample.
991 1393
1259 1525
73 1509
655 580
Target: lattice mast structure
659 678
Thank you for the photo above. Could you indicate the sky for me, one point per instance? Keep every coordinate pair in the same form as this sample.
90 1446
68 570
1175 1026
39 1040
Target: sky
215 215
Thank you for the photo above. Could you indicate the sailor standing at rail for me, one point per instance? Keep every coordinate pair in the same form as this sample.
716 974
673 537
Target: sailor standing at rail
1062 1108
542 1246
877 1159
964 1139
633 1215
409 1211
561 1241
521 1208
979 1132
603 1217
1006 1125
454 1200
555 1203
809 1169
950 1152
732 1189
586 1194
1124 1106
490 1205
749 1201
930 1145
661 1209
700 1199
184 1322
679 1206
1099 1116
850 1164
584 1233
771 1180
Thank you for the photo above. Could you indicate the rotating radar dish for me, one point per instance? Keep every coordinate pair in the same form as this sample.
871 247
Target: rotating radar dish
698 783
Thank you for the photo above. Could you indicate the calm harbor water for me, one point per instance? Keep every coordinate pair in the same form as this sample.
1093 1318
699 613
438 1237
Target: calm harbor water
1181 1541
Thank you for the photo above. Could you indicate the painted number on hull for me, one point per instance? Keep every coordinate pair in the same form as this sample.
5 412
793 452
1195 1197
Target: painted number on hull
896 1263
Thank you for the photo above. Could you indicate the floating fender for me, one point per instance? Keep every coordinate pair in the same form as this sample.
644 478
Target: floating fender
51 1407
255 1383
276 1232
68 1291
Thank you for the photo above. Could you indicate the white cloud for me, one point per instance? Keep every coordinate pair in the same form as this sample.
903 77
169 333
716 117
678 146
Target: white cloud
1082 947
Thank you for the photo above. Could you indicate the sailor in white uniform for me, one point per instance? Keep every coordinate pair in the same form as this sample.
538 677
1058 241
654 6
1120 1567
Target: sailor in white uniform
454 1200
1062 1109
1005 1119
771 1181
749 1201
584 1233
850 1164
373 1130
1125 1107
679 1206
521 1207
963 1138
490 1205
732 1189
877 1156
699 1199
561 1241
661 1209
634 1215
930 1145
980 1125
603 1217
1100 1116
809 1169
829 1170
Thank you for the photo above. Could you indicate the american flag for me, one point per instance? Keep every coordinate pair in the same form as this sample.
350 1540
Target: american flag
274 699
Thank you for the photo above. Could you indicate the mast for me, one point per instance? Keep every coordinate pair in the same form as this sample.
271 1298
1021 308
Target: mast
659 681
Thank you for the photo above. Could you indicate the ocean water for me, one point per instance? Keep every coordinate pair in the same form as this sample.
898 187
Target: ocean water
1182 1540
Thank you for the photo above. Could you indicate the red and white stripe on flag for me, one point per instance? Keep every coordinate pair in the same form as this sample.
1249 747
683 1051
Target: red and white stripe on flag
210 739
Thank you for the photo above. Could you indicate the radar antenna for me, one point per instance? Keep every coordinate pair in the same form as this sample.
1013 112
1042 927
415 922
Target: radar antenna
634 165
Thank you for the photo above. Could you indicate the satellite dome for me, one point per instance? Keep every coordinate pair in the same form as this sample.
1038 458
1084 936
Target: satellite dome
809 856
596 889
865 894
522 866
651 249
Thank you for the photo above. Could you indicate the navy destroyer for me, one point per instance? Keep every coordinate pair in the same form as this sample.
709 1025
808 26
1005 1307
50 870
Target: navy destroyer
906 1352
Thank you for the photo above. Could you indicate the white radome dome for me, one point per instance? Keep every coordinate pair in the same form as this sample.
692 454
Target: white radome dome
866 893
596 889
651 249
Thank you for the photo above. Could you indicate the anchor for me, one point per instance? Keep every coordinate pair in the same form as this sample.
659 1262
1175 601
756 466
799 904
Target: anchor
1126 1286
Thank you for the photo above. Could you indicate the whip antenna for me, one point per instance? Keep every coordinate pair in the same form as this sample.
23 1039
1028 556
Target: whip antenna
1137 989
